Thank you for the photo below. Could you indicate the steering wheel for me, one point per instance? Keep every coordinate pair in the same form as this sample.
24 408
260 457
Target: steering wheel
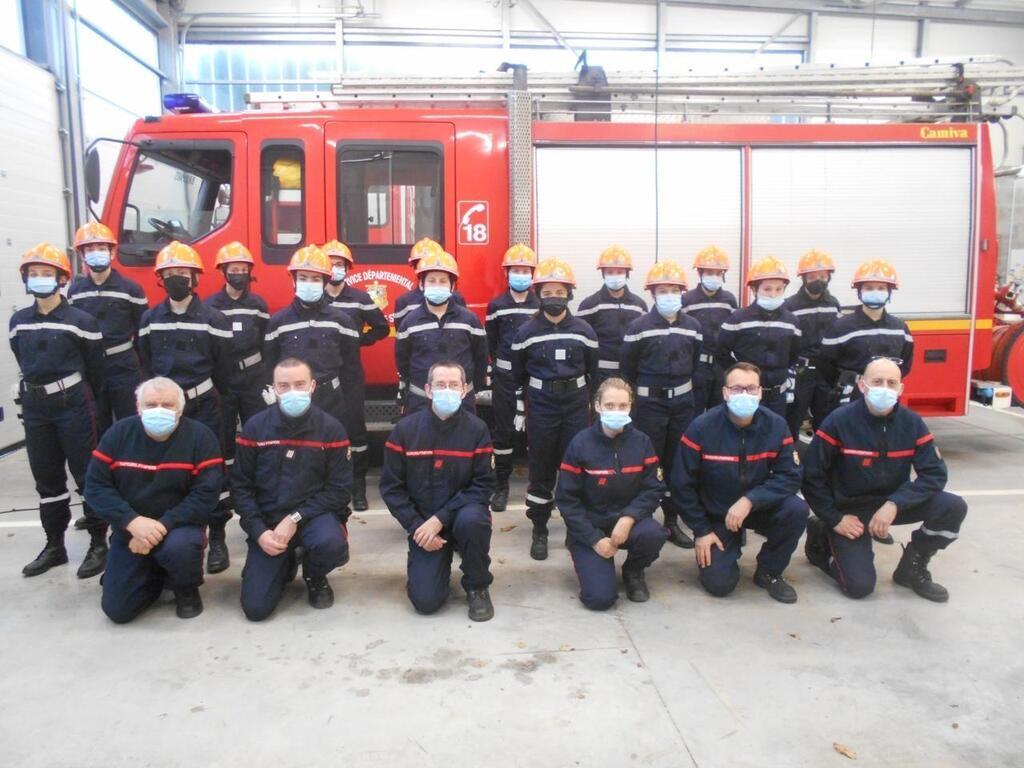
171 229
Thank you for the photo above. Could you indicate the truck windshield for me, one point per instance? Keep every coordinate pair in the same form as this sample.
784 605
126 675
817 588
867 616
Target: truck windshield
181 191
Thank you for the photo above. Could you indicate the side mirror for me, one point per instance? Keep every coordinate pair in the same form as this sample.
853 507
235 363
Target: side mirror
92 175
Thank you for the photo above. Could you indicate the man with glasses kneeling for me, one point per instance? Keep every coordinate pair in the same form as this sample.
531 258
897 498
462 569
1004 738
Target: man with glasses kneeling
437 481
735 469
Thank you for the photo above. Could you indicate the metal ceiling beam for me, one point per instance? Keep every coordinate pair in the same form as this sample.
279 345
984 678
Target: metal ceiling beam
551 27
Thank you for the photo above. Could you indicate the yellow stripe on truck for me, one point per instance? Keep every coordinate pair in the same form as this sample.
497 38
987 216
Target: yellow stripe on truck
981 324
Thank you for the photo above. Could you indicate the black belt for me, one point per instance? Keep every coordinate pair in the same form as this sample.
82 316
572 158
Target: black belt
558 386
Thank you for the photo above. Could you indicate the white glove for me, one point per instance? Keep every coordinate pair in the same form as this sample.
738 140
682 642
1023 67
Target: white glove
269 395
519 422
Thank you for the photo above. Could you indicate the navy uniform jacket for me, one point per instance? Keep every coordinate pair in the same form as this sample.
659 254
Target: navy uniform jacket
504 316
284 465
117 305
58 344
609 317
857 461
436 467
358 305
710 312
409 300
656 353
769 340
815 316
248 316
717 463
855 339
188 348
424 339
550 351
176 481
604 478
324 338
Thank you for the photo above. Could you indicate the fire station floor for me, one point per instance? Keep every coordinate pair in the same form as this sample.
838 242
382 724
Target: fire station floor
684 680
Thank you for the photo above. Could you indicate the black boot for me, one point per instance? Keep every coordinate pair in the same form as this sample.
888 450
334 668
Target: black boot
359 502
189 603
778 588
320 593
816 547
636 585
539 545
676 535
81 523
53 554
499 499
217 559
480 606
96 558
912 572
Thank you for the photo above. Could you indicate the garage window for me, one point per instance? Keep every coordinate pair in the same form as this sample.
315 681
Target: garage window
283 200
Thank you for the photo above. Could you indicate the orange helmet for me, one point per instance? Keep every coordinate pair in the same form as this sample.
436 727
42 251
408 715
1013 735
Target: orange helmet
233 253
423 247
615 256
48 255
94 232
815 261
310 259
338 248
554 271
768 268
519 255
876 271
711 257
176 254
438 262
666 273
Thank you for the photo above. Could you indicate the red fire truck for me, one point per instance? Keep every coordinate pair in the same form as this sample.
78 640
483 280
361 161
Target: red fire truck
573 165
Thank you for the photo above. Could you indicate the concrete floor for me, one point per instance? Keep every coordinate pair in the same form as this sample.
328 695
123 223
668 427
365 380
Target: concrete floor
684 680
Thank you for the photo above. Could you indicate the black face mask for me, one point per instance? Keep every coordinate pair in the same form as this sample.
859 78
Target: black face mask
238 281
816 287
178 287
554 305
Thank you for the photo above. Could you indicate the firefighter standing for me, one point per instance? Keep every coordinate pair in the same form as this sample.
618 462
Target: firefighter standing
735 470
857 479
188 342
373 327
864 334
505 314
439 330
554 358
411 299
437 478
117 303
709 304
609 485
660 353
59 350
765 334
816 310
611 309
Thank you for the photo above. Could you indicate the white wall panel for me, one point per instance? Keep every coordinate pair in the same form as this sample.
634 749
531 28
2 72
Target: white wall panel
910 205
846 40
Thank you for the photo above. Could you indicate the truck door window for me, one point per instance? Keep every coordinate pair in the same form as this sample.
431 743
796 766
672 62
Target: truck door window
388 198
181 191
282 200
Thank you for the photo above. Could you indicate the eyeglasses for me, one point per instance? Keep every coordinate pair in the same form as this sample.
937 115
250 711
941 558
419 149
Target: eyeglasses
736 389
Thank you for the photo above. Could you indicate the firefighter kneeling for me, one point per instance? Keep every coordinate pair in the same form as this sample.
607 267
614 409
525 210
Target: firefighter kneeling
857 481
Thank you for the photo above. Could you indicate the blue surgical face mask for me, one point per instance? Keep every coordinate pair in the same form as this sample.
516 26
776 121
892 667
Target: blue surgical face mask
41 287
294 402
520 282
882 398
874 299
445 401
742 406
668 304
615 420
437 294
615 282
159 422
711 283
310 293
770 303
98 261
338 274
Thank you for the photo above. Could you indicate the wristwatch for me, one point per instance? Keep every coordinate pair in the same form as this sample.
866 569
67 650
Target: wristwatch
295 517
